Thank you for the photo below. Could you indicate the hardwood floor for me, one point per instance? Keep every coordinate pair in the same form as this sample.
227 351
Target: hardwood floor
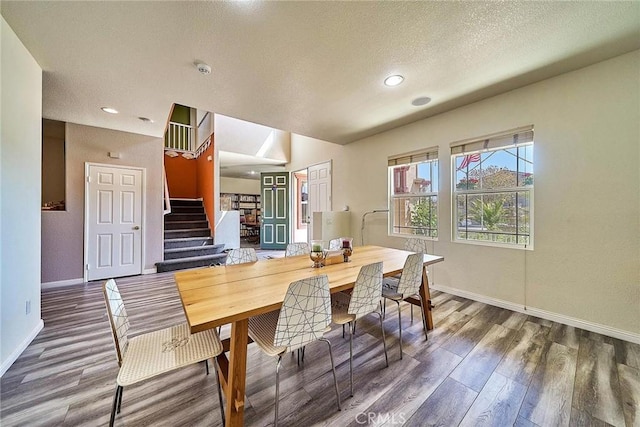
482 365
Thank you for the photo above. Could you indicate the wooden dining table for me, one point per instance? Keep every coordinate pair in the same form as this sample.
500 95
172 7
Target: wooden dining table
216 296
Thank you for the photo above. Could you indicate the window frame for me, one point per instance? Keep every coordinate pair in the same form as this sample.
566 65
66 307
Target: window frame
528 189
409 160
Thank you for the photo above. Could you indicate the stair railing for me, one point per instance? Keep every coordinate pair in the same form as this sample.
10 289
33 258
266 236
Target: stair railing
167 200
179 137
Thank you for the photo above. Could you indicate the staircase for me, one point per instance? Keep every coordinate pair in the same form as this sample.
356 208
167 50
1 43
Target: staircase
187 238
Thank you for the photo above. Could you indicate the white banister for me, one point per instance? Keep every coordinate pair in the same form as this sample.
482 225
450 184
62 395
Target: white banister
179 137
167 200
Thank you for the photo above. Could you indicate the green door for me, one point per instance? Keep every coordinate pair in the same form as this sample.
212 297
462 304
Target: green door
275 210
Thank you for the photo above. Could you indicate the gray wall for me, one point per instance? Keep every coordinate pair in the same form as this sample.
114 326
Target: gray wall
20 189
63 232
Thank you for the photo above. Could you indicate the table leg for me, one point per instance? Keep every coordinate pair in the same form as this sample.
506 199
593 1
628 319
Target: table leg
237 373
425 300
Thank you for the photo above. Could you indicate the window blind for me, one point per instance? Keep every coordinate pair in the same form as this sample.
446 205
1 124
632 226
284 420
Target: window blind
512 138
414 157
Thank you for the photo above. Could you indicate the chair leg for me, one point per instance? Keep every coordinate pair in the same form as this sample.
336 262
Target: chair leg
400 327
275 422
120 399
206 366
343 330
411 313
300 352
333 368
215 367
384 341
115 405
350 358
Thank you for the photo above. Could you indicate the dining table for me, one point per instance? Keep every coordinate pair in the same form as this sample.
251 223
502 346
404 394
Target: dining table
220 295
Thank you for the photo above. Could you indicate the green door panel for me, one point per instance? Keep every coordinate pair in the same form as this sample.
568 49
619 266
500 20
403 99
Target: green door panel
275 210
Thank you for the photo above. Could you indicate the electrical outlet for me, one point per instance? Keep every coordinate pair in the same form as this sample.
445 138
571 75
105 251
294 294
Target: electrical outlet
27 307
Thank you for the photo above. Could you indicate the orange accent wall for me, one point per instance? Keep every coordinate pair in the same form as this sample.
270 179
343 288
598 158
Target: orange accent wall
181 177
204 178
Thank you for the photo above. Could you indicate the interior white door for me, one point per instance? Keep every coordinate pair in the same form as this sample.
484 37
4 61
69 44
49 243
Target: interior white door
319 182
113 219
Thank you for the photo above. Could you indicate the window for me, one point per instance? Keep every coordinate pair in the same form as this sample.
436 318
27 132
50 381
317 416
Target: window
413 194
53 165
302 205
493 189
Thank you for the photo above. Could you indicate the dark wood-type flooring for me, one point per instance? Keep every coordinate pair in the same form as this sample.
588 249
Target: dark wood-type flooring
482 365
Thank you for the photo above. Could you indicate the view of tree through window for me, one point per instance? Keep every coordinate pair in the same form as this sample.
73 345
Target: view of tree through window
492 195
413 206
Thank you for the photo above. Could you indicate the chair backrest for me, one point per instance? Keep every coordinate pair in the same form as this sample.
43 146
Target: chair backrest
298 248
411 277
305 313
117 318
335 244
367 291
413 244
241 255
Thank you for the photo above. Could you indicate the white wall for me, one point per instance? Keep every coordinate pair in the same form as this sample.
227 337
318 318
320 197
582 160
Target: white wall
586 262
306 151
20 192
239 136
63 232
239 185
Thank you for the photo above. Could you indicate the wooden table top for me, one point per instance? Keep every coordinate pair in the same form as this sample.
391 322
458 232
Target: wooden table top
216 296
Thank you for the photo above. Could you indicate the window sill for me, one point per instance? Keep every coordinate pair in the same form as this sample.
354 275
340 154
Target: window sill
413 236
493 244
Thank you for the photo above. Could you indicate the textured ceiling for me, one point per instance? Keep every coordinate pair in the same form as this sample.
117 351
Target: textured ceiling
313 68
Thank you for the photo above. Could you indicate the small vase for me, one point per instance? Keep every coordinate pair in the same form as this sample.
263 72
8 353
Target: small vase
317 253
347 247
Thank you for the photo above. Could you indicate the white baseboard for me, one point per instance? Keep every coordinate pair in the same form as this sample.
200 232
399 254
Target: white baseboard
555 317
22 347
80 280
59 283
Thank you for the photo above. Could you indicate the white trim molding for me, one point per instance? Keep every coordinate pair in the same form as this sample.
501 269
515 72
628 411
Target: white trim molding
22 347
555 317
153 270
60 283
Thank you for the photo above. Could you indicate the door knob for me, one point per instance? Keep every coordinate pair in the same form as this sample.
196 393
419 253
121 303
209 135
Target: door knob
136 227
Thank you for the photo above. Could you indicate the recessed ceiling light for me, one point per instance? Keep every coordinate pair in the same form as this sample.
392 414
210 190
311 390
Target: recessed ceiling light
393 80
252 172
423 100
145 119
109 110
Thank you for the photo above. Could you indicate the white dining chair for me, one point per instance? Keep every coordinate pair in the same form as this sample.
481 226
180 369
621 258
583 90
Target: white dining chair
408 285
364 300
414 244
304 317
297 248
241 256
151 354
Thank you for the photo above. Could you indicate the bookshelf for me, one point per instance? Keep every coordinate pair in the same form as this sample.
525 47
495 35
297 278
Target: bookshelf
249 207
